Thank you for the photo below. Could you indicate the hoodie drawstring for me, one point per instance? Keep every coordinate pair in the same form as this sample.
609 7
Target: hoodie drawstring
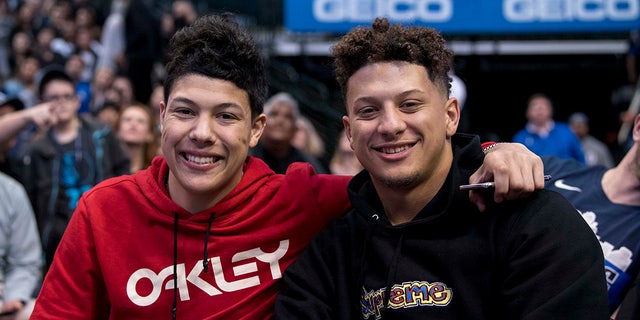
205 260
392 272
175 266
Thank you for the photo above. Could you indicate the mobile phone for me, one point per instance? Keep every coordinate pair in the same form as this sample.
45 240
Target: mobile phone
487 185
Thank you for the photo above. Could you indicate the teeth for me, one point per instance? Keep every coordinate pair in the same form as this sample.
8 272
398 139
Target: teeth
200 160
395 150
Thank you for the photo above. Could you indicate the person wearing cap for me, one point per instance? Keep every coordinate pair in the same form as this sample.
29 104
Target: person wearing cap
73 155
595 151
18 125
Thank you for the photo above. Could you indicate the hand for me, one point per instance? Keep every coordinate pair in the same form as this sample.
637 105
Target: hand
42 116
516 171
10 309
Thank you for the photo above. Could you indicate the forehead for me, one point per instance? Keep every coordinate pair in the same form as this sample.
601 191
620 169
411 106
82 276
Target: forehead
204 91
57 86
281 107
134 111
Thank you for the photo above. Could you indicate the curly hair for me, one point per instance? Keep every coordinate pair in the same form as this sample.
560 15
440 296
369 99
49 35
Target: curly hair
392 42
214 46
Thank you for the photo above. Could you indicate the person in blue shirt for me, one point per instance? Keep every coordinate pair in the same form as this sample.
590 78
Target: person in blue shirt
609 200
543 135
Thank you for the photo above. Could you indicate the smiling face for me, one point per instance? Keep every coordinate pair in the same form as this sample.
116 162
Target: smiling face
207 131
400 124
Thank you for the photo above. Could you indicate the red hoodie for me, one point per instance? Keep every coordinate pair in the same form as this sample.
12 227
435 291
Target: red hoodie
116 258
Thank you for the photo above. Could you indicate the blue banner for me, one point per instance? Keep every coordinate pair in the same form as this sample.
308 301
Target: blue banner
467 16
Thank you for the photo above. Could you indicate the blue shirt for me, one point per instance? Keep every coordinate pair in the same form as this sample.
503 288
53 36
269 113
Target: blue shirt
616 226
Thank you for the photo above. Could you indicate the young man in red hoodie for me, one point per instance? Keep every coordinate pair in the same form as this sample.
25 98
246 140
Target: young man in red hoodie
206 231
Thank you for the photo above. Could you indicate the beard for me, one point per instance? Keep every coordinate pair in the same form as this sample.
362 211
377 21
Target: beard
399 182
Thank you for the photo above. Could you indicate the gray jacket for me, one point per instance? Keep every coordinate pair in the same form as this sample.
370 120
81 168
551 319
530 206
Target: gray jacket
21 257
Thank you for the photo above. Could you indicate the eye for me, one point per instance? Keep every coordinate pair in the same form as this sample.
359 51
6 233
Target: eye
227 116
183 112
366 112
410 105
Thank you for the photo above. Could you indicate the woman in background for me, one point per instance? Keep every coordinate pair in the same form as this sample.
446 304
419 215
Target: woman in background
137 132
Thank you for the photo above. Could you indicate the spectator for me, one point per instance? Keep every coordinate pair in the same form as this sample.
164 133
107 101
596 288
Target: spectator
543 135
42 48
609 200
142 44
21 262
7 23
307 138
276 145
595 151
109 114
75 67
125 88
8 140
137 130
379 261
75 154
205 189
22 83
344 160
100 84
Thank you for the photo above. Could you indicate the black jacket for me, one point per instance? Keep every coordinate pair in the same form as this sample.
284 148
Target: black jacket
525 259
54 188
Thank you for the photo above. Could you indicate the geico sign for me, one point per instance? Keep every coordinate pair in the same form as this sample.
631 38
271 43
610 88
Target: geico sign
331 11
367 10
569 10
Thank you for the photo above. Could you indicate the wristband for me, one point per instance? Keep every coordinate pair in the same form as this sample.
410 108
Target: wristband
486 146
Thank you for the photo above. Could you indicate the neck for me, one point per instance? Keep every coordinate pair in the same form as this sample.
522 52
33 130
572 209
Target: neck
403 204
136 153
66 131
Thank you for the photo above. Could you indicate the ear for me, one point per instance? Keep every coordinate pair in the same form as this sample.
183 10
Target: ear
163 110
347 129
452 113
257 127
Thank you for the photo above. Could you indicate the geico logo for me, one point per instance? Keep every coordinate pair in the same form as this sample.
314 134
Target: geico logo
246 272
569 10
396 10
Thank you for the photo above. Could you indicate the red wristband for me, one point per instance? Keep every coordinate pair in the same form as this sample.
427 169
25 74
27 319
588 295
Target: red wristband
486 146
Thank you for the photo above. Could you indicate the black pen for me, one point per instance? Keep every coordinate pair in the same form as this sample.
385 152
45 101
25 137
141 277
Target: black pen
487 185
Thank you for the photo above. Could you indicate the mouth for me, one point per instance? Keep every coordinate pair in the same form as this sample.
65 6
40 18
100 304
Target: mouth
199 160
394 150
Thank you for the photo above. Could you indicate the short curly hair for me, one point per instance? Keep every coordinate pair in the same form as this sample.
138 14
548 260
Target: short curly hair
392 42
214 46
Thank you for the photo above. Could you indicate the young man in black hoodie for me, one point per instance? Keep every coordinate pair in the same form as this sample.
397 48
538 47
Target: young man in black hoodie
414 246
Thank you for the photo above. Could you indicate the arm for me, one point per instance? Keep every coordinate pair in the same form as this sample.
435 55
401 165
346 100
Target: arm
554 259
12 124
24 255
516 171
73 287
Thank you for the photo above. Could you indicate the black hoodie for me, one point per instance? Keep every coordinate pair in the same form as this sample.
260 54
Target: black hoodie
534 258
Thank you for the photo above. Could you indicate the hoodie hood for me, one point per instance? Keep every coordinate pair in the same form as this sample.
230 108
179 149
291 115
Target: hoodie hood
152 182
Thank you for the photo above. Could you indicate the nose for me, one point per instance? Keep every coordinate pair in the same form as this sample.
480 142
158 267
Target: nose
203 131
392 122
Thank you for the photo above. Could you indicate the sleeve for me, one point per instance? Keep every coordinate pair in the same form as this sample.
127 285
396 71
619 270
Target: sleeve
73 287
554 264
316 286
24 256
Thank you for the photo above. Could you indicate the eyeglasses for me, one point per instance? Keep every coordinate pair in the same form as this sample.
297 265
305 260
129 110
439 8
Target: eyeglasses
60 98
